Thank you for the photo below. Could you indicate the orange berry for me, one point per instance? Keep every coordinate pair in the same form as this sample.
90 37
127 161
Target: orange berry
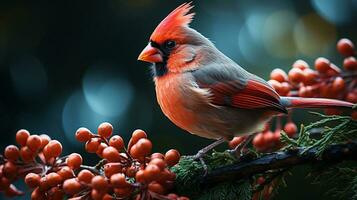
92 145
32 180
136 136
338 84
74 161
112 168
53 179
305 91
301 64
9 170
21 137
157 155
354 115
144 146
123 192
333 71
34 142
235 142
322 65
156 187
296 75
290 129
140 176
53 149
151 172
100 149
351 97
276 136
258 141
26 154
310 77
99 183
66 172
71 186
285 89
45 139
118 180
172 157
12 152
111 154
117 142
83 134
85 176
345 47
105 129
268 138
131 171
158 162
278 75
97 194
38 195
350 63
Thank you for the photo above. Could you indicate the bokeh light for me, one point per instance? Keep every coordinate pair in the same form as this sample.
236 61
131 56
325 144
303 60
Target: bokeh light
106 92
335 11
313 35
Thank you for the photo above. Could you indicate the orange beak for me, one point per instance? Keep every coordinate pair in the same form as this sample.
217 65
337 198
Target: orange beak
150 54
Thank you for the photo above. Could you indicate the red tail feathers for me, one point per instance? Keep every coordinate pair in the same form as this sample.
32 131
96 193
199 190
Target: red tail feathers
299 102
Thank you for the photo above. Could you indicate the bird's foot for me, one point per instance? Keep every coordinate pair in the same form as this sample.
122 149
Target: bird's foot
240 149
201 153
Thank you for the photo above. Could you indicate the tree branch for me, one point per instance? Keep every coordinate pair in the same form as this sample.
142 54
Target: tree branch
278 160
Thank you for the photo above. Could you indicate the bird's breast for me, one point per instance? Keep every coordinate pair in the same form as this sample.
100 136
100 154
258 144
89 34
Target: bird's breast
173 101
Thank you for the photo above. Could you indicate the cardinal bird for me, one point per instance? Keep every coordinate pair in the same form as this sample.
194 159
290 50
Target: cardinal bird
206 93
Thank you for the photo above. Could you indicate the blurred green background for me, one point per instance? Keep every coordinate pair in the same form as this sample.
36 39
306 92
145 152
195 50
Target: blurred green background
68 64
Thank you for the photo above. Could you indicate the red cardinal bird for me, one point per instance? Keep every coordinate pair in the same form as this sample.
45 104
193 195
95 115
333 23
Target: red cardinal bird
204 92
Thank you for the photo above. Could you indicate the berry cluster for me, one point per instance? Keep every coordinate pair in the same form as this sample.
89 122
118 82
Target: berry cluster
123 173
326 80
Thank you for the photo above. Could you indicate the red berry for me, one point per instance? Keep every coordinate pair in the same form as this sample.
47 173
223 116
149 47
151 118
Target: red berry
117 142
290 129
338 85
34 142
32 180
118 180
92 145
136 136
85 176
322 65
235 142
351 97
74 161
21 137
172 157
53 149
301 64
310 77
279 75
258 141
71 186
105 129
83 134
12 152
99 183
350 63
345 47
111 154
296 75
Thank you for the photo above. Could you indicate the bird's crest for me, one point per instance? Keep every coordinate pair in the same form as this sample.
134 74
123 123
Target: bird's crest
177 18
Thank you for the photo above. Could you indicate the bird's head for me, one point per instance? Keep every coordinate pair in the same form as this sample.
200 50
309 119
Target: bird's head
174 46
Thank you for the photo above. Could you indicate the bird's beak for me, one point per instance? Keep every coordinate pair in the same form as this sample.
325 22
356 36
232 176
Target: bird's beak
150 54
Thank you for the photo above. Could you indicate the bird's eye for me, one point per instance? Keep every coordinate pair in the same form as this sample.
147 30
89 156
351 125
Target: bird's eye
170 44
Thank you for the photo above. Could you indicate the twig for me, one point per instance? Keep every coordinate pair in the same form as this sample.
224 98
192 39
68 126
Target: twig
280 160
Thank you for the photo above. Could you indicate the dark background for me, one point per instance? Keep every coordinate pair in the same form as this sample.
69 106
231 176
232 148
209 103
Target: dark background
67 64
